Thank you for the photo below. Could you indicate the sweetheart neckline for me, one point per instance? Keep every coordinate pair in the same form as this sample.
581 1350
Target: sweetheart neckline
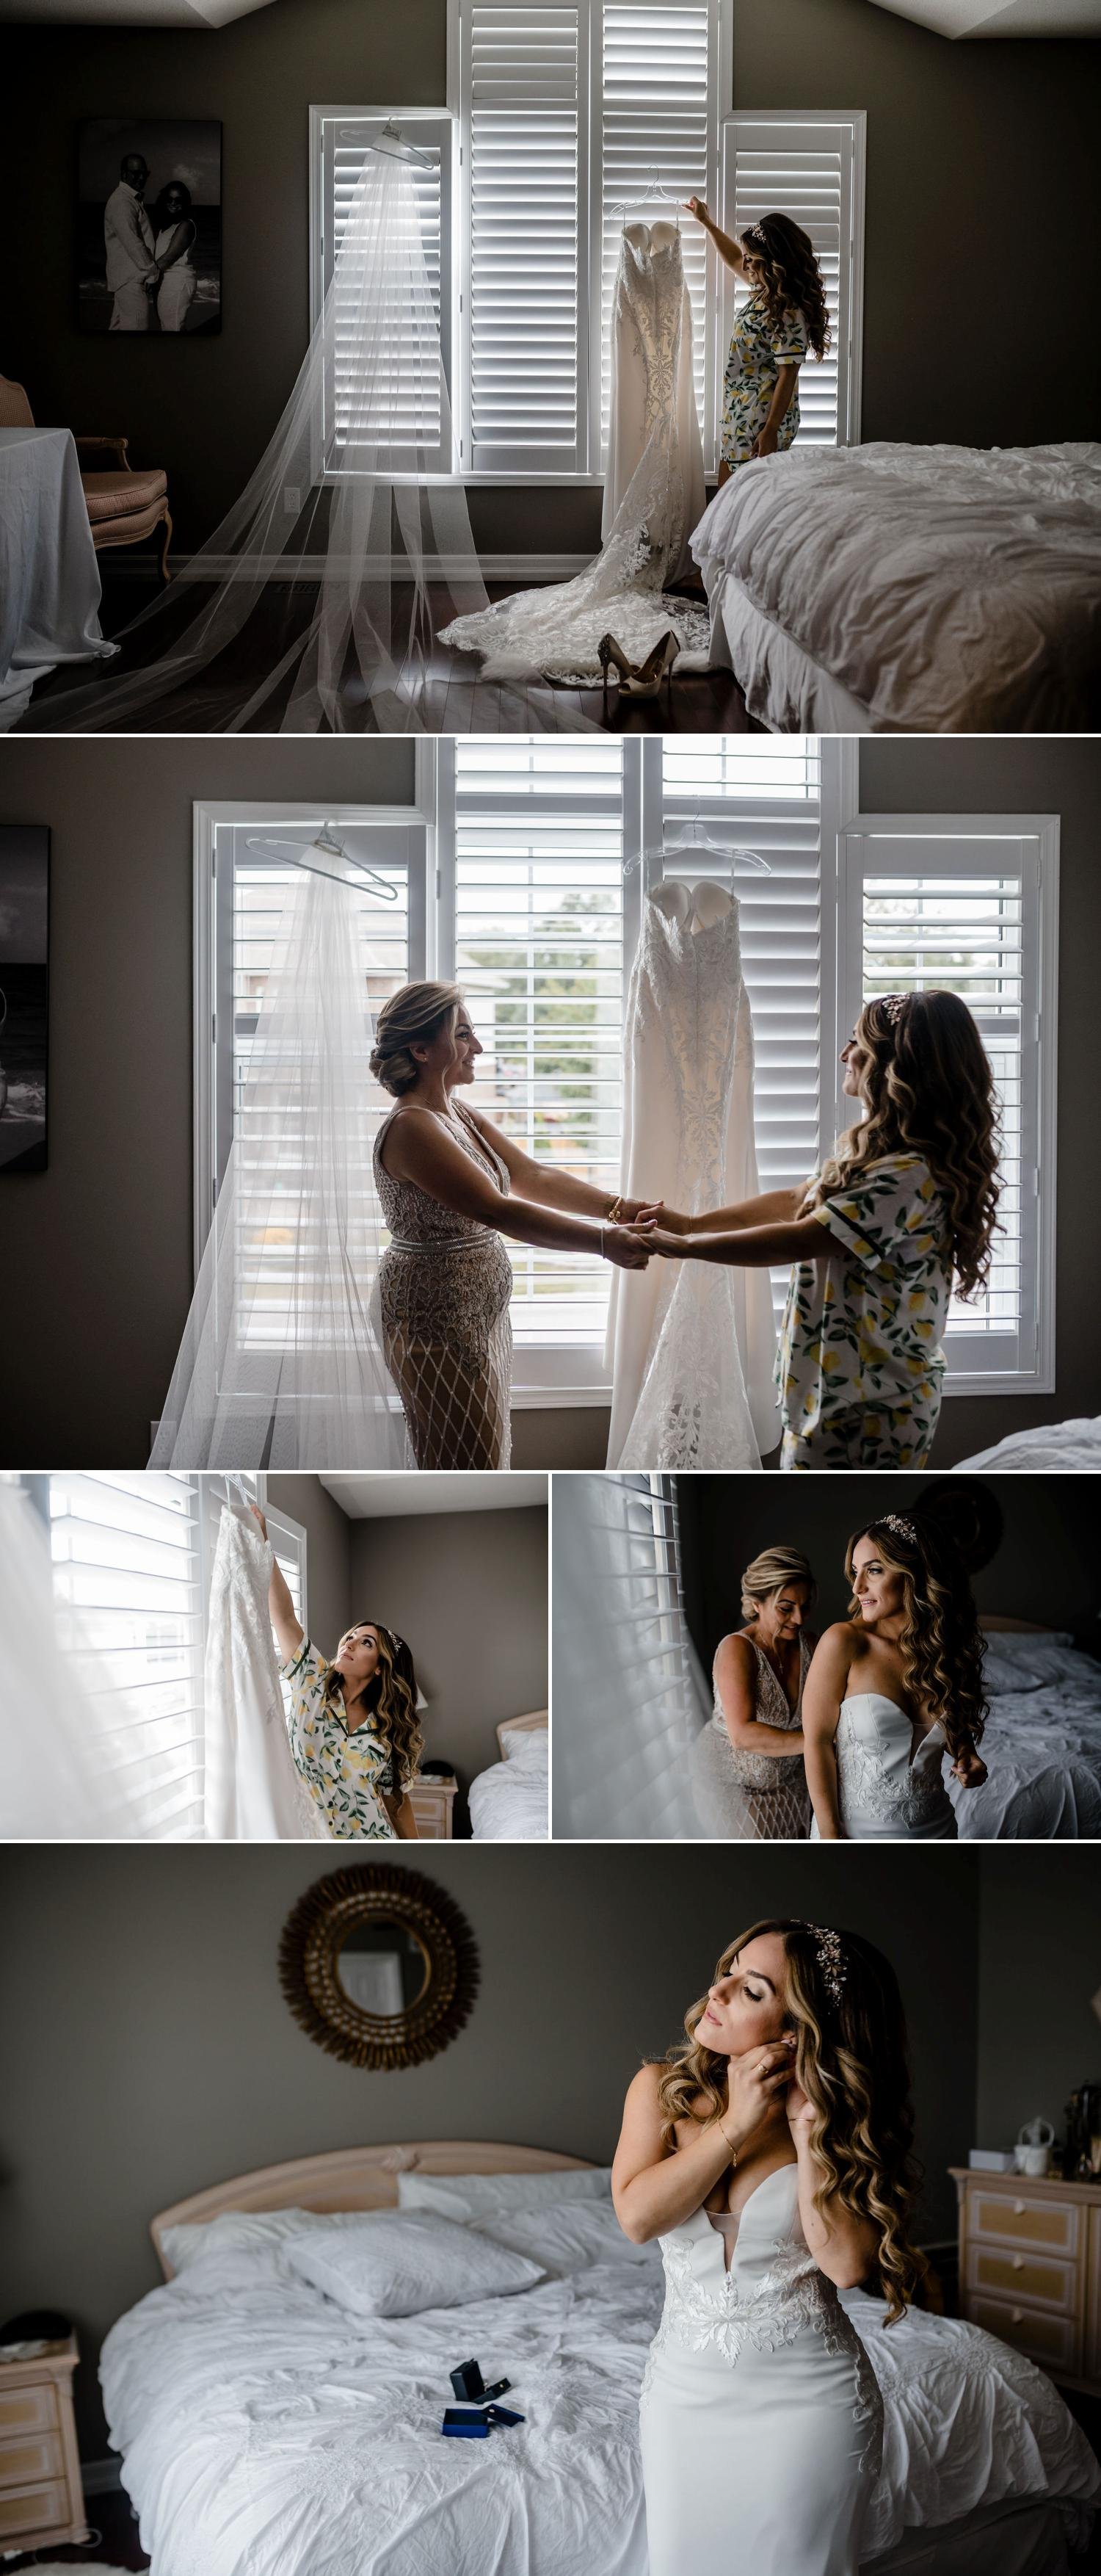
911 1722
791 2165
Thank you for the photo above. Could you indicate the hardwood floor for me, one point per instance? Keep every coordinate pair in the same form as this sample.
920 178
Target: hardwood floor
458 701
112 2519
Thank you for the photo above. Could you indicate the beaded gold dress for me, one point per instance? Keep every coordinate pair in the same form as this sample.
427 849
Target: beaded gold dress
444 1287
755 1797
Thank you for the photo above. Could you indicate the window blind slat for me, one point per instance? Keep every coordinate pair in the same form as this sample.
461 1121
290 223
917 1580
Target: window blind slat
522 80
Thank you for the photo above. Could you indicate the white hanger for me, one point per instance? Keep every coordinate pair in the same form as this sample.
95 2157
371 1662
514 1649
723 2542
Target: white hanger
392 145
698 835
327 844
654 194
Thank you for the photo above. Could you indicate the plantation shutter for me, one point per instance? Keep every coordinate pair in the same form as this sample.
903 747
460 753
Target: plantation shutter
623 1657
766 795
405 414
538 897
811 168
523 111
126 1564
959 910
658 114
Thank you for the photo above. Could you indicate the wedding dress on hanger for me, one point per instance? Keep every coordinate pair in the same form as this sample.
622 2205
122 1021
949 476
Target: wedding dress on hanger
253 1793
691 1344
64 1772
653 495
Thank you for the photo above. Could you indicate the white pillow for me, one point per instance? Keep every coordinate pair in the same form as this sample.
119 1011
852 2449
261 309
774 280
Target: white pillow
238 2232
1023 1663
568 2237
393 2266
466 2196
515 1739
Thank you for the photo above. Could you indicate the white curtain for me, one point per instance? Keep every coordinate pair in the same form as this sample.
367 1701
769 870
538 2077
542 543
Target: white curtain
281 1364
252 1791
630 1699
63 1766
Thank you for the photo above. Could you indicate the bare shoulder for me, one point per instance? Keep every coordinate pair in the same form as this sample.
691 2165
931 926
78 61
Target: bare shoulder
643 2087
836 1647
735 1651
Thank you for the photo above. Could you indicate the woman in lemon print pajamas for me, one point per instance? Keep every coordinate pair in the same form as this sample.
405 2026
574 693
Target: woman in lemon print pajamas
783 320
902 1212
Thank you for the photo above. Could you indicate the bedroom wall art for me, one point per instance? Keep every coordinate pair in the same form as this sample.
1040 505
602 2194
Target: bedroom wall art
150 225
24 995
379 1967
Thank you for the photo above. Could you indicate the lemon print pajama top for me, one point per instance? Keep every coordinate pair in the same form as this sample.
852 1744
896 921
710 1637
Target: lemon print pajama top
758 350
860 1365
345 1769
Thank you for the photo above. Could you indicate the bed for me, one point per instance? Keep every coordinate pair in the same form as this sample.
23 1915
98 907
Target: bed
1042 1744
509 1803
900 589
266 2433
1054 1448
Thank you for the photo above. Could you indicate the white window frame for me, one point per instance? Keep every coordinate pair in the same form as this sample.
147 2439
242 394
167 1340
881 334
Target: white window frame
743 126
1034 1370
437 125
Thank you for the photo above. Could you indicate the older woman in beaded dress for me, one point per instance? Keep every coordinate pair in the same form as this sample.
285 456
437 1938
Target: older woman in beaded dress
451 1185
747 1766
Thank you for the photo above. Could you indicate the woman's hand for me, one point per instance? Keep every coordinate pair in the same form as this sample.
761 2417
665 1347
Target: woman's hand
640 1211
258 1517
696 206
764 444
754 2084
658 1238
627 1246
970 1769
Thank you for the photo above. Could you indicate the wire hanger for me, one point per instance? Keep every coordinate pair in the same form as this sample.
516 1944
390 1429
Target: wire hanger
698 835
392 145
328 845
653 192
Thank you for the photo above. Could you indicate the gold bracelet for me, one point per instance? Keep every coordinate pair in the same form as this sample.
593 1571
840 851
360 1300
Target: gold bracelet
615 1212
726 2142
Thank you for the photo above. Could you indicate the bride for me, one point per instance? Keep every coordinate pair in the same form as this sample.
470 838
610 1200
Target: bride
353 1724
445 1175
894 1688
770 2154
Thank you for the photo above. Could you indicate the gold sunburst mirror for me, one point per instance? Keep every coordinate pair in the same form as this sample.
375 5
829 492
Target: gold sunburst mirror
379 1965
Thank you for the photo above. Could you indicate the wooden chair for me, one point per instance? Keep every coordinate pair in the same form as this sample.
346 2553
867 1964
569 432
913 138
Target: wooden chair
124 506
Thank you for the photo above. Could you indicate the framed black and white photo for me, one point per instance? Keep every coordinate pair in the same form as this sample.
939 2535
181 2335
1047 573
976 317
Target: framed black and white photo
24 995
150 224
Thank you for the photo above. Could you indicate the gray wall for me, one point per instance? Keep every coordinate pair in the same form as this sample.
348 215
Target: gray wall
952 128
469 1594
328 1553
1045 1570
147 2051
1039 1965
97 1275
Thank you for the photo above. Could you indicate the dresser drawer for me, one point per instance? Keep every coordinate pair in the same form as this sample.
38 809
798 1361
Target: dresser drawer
43 2508
35 2455
1053 2341
28 2410
1052 2226
432 1812
1029 2280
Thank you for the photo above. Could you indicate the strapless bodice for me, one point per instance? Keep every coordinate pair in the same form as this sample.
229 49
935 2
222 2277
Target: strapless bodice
889 1788
651 241
771 2292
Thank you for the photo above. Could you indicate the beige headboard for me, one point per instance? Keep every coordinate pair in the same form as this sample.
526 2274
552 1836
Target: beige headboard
522 1726
354 2178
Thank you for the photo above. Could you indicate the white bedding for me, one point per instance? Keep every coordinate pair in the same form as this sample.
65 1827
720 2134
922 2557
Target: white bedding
946 589
509 1802
266 2433
1063 1448
1042 1745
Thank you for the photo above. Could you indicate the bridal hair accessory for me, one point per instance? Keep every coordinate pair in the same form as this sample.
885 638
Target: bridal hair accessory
894 1004
902 1529
829 1959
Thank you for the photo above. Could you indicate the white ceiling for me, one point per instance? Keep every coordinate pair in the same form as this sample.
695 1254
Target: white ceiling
1001 17
127 13
377 1498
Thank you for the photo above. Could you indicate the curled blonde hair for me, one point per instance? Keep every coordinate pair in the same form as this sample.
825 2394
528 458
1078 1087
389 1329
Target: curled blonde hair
769 1572
390 1697
929 1090
941 1644
410 1018
851 2062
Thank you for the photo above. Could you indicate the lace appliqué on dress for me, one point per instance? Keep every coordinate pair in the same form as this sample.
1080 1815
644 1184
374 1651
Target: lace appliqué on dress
866 1786
792 2297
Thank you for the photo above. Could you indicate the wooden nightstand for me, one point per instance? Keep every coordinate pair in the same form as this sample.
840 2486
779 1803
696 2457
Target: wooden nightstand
41 2497
1030 2269
432 1801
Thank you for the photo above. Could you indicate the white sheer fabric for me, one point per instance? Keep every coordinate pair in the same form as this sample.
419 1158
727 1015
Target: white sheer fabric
630 1698
253 1793
691 1344
63 1771
386 540
654 495
281 1364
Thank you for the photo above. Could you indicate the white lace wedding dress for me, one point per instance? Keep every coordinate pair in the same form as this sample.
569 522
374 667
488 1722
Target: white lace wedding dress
889 1788
653 496
691 1344
761 2419
253 1792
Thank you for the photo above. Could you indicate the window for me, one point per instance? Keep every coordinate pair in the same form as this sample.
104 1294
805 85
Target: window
971 905
401 414
813 167
132 1557
622 1634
